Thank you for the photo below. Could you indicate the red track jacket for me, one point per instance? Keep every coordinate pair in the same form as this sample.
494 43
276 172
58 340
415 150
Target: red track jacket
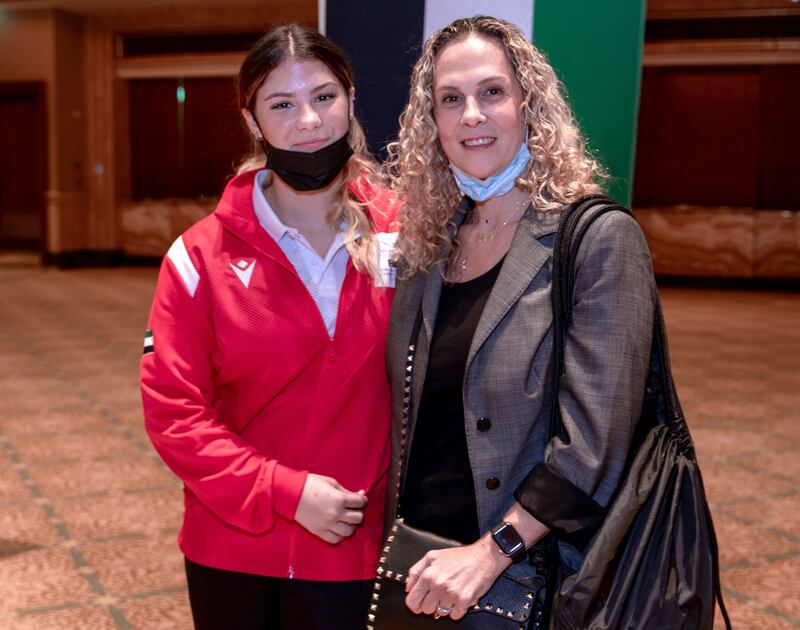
245 393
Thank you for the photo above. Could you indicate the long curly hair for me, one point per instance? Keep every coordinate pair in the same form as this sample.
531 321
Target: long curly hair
302 42
559 171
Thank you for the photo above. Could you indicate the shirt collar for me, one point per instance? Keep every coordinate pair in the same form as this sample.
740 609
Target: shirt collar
272 224
264 212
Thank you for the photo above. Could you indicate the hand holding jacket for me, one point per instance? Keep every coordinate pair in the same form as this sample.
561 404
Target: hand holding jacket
328 510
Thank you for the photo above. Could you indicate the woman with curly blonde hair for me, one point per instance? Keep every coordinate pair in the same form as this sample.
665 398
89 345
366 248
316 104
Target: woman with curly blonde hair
487 157
560 169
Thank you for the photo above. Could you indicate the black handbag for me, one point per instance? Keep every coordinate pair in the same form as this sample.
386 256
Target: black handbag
653 563
509 604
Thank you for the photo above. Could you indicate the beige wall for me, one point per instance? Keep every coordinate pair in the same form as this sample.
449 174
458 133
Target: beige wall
27 42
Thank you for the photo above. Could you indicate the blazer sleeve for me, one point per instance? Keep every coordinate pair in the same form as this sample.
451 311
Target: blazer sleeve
607 355
230 477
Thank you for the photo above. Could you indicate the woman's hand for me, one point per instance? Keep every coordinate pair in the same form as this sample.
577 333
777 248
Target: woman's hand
328 510
454 579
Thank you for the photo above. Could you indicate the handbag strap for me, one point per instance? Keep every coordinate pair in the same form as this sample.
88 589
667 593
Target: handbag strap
408 378
565 249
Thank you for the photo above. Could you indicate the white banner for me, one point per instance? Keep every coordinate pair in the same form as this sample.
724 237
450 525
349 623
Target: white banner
439 13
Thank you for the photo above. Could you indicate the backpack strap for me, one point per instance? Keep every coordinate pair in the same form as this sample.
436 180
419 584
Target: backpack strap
565 251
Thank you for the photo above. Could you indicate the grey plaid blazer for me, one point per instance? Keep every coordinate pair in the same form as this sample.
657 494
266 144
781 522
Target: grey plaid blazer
508 373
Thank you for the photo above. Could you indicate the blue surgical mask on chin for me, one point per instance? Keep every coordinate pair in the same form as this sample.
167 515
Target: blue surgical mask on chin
494 185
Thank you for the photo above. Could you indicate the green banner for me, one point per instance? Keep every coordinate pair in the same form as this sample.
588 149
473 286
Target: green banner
596 49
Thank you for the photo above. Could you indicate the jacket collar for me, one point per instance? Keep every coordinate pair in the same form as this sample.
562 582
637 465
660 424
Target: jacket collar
236 212
525 258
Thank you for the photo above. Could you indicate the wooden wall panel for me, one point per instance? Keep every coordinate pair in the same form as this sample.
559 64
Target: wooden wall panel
184 149
216 139
66 221
122 143
70 94
779 151
156 151
665 9
210 18
148 228
723 242
777 244
699 139
687 53
23 164
101 219
699 242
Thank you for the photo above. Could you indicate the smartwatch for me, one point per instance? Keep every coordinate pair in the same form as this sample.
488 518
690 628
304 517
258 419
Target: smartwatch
509 541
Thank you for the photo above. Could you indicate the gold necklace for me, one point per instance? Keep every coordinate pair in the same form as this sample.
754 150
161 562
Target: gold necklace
490 236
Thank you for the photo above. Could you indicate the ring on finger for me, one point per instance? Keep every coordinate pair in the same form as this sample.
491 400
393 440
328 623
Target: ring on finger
442 610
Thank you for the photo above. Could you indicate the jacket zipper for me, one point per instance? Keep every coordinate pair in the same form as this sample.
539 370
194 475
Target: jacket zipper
290 572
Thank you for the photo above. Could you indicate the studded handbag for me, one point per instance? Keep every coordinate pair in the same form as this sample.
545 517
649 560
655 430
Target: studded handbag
509 605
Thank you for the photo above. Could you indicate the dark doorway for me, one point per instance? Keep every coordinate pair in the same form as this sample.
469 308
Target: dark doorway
187 136
23 165
719 136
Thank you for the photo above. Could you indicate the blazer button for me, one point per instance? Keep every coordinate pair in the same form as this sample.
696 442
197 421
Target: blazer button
492 483
484 424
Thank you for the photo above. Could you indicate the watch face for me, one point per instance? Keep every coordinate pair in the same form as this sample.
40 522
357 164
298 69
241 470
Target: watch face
507 538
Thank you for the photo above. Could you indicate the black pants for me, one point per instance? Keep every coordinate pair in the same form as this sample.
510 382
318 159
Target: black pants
226 600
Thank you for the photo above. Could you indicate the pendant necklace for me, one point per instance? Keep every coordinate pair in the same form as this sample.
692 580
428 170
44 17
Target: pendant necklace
490 236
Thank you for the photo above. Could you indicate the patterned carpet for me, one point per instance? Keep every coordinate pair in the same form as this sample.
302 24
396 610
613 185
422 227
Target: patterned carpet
88 514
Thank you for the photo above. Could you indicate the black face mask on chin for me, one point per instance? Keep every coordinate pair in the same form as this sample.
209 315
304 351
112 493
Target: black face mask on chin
307 171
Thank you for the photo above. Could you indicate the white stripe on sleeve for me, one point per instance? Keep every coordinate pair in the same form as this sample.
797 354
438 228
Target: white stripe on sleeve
183 265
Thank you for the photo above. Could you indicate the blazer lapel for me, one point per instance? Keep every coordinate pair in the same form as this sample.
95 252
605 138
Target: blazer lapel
524 260
430 307
416 293
434 281
430 301
410 296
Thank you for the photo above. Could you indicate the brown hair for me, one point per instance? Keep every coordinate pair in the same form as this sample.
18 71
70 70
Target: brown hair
294 41
285 42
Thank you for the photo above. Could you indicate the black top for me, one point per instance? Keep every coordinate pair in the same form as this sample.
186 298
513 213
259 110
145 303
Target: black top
438 495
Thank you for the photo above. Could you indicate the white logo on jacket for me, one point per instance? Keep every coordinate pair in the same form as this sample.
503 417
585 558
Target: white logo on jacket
243 268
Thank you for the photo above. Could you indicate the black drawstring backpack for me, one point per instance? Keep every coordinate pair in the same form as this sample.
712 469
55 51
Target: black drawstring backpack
653 562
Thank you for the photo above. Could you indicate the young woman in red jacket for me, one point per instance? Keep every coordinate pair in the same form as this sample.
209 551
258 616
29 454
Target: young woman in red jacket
263 376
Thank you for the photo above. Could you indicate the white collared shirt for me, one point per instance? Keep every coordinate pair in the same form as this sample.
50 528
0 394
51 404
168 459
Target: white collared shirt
323 277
